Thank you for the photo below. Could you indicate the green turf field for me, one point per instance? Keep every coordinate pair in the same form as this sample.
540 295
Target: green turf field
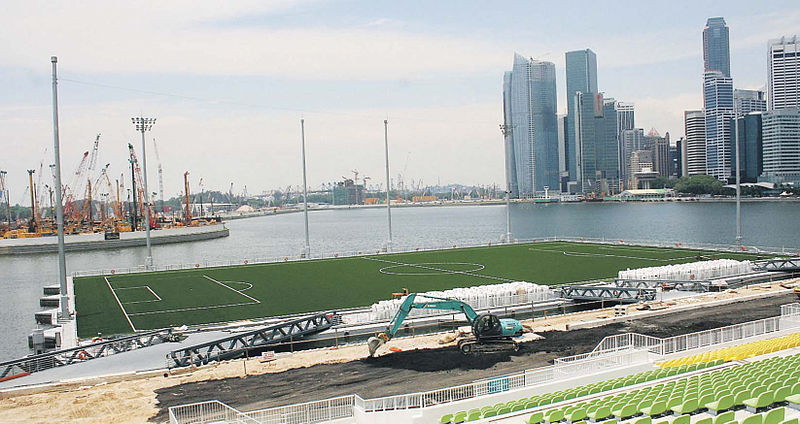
126 303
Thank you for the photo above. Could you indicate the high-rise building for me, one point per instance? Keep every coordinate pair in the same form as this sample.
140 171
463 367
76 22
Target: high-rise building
632 140
718 103
531 127
781 145
746 101
625 121
695 129
750 147
581 67
562 153
716 46
783 73
597 145
681 145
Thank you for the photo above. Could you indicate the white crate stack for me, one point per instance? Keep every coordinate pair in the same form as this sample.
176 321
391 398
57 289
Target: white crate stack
479 297
703 270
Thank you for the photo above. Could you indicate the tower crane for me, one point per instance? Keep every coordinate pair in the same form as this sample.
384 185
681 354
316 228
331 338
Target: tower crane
187 212
160 177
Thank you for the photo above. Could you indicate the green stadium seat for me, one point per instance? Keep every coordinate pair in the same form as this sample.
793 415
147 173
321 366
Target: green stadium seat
707 420
775 416
654 409
725 417
459 417
683 419
754 419
722 403
625 411
490 413
687 407
779 395
446 419
599 414
578 414
518 407
535 418
754 404
553 415
643 420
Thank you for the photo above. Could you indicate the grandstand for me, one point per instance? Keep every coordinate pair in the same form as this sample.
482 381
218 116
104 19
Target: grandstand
741 374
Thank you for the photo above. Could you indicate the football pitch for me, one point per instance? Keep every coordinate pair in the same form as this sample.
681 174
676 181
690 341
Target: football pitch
120 304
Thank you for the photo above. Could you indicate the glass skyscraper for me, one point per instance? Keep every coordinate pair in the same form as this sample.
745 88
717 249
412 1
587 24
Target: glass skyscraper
716 50
581 78
598 145
531 127
718 102
783 72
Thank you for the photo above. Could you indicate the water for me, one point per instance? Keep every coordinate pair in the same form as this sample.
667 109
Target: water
764 224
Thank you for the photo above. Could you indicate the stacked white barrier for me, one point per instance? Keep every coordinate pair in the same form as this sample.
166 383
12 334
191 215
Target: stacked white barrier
703 270
479 297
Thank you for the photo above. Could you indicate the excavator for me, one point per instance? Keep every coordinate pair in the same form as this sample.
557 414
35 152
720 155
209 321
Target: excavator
489 333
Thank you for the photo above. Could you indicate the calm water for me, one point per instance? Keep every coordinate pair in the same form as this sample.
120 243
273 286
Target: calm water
764 224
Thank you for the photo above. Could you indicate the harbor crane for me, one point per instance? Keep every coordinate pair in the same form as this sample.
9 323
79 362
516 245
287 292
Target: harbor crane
160 177
489 333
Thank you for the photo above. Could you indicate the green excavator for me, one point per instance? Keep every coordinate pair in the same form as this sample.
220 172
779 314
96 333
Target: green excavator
489 333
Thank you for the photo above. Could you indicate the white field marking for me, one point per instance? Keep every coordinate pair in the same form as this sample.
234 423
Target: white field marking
446 271
602 255
249 285
127 317
158 298
388 269
232 289
192 308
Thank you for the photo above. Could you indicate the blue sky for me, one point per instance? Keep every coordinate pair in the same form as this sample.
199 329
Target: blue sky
230 80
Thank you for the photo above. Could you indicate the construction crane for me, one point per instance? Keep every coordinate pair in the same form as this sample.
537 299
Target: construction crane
33 224
160 177
139 194
187 212
93 157
4 197
71 212
489 333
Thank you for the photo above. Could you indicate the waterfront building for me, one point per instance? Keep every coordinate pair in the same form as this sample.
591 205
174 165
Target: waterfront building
675 159
531 127
563 174
581 70
719 115
681 145
659 145
625 122
746 101
695 129
632 139
347 192
716 46
750 147
783 73
781 146
597 144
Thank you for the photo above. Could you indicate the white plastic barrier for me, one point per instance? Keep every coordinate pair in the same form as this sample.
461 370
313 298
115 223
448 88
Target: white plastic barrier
703 270
479 297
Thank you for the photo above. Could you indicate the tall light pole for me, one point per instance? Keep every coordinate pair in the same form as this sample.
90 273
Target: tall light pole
507 130
62 260
143 125
388 183
307 248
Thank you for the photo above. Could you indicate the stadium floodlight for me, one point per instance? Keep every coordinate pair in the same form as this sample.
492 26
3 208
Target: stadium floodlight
143 125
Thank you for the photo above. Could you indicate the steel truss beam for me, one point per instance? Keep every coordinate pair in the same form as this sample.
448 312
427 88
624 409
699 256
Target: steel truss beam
781 265
615 293
696 286
237 345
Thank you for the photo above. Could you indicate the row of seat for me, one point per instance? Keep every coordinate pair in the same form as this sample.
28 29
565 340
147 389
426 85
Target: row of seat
548 398
773 416
756 385
734 353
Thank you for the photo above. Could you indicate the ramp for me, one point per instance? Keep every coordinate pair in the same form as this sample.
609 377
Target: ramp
779 265
238 345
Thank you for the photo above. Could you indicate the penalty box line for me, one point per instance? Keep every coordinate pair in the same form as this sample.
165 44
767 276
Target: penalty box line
446 271
202 308
124 312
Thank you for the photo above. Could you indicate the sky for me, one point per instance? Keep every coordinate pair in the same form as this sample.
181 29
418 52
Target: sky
229 81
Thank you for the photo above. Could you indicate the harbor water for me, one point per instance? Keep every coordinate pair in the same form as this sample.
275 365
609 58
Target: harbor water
769 223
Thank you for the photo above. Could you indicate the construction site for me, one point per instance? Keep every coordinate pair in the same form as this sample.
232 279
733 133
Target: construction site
444 341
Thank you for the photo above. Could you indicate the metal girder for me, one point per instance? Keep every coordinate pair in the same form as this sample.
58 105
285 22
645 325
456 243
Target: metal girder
781 265
615 293
696 286
237 345
46 361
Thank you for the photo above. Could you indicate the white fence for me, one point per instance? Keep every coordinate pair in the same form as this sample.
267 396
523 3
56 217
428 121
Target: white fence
208 412
309 412
406 249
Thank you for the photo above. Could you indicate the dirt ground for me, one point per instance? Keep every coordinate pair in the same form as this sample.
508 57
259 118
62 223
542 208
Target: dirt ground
319 374
428 369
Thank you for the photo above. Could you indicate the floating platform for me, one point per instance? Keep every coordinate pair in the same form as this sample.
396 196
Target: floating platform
97 241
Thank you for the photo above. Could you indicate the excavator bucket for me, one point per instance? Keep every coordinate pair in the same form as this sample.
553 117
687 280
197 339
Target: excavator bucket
374 343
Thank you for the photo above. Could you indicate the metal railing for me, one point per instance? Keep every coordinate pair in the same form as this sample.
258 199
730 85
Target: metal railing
309 412
208 412
46 361
411 248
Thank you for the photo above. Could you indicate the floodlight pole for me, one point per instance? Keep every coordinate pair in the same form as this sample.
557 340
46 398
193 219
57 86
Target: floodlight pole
143 125
738 184
388 184
307 248
62 260
507 131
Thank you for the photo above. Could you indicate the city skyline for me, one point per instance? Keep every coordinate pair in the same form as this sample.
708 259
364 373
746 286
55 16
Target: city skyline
225 102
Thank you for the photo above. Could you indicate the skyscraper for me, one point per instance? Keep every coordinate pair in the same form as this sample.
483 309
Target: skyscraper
716 50
781 145
625 121
597 141
719 115
632 140
750 147
746 101
531 128
783 73
695 129
581 66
